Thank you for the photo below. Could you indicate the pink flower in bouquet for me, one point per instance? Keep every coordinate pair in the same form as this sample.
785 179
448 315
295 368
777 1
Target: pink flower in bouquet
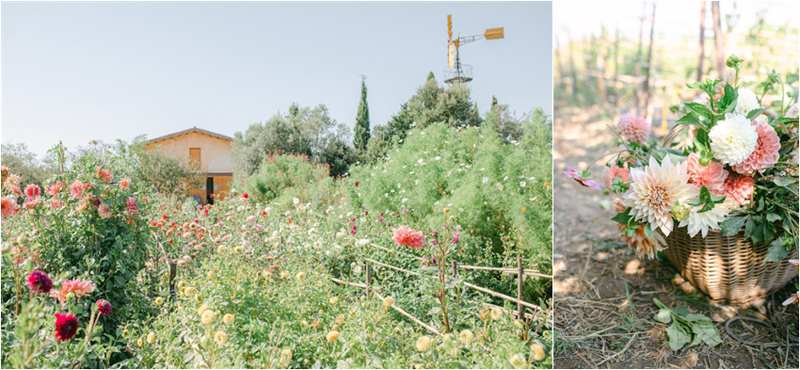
633 128
610 173
76 189
571 172
104 174
655 189
104 211
408 237
32 202
640 243
10 207
765 154
793 111
739 189
712 176
125 183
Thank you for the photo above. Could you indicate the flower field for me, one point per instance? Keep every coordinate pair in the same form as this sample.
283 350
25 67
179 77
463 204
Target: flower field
295 270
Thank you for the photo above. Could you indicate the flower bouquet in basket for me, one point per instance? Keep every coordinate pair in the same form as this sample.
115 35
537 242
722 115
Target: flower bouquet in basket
719 193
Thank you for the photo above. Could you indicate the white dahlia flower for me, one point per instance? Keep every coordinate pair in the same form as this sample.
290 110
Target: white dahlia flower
733 139
701 222
656 189
746 102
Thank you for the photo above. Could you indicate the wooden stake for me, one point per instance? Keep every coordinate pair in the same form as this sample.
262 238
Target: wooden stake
520 277
369 277
173 266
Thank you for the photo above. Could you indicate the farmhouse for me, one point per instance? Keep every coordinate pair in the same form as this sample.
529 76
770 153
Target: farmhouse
209 151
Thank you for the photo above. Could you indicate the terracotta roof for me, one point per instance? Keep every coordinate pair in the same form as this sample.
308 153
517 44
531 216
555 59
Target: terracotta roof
193 129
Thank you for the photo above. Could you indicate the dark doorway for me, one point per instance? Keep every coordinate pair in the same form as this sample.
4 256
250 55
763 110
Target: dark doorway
209 190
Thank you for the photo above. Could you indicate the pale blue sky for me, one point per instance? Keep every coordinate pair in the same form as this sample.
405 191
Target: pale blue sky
82 71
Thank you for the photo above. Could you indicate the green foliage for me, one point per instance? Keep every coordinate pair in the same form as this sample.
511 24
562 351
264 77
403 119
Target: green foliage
362 133
166 173
303 131
280 172
684 326
25 164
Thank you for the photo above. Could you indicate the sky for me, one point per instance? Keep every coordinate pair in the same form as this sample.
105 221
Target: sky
78 72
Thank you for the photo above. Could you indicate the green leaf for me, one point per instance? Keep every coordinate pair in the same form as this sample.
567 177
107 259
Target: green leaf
707 332
701 109
729 99
776 252
689 119
623 217
772 217
664 315
755 113
784 181
648 231
732 225
678 337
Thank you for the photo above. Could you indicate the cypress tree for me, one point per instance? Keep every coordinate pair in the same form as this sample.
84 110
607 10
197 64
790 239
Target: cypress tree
362 133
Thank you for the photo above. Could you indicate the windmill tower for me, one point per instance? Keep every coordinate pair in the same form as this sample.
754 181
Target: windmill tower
456 72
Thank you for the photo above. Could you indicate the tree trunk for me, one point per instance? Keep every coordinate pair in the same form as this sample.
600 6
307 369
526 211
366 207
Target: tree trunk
570 51
560 67
701 48
649 64
601 68
718 40
637 80
616 68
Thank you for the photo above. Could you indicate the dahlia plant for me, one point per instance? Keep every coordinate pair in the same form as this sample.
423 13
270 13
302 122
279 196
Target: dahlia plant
738 169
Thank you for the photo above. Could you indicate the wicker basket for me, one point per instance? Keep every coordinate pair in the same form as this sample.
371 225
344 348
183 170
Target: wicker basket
729 269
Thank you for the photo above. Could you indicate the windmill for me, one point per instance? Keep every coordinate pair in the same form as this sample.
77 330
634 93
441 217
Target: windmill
457 72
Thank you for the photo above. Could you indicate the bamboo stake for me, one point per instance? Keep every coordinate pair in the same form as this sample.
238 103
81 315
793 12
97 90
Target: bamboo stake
369 277
520 278
416 320
501 295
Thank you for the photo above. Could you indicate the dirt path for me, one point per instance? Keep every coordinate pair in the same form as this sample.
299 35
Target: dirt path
597 324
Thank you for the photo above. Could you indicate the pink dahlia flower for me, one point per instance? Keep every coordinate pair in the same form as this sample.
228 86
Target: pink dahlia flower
66 326
131 206
104 175
32 191
408 237
10 207
104 211
77 287
39 282
739 189
103 307
765 154
76 189
125 183
55 188
633 128
712 176
610 173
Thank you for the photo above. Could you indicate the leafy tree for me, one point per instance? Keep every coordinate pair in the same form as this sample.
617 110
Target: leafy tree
24 163
362 133
308 131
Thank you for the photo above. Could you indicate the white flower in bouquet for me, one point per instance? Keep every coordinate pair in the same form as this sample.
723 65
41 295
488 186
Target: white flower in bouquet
746 102
656 189
733 139
697 222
